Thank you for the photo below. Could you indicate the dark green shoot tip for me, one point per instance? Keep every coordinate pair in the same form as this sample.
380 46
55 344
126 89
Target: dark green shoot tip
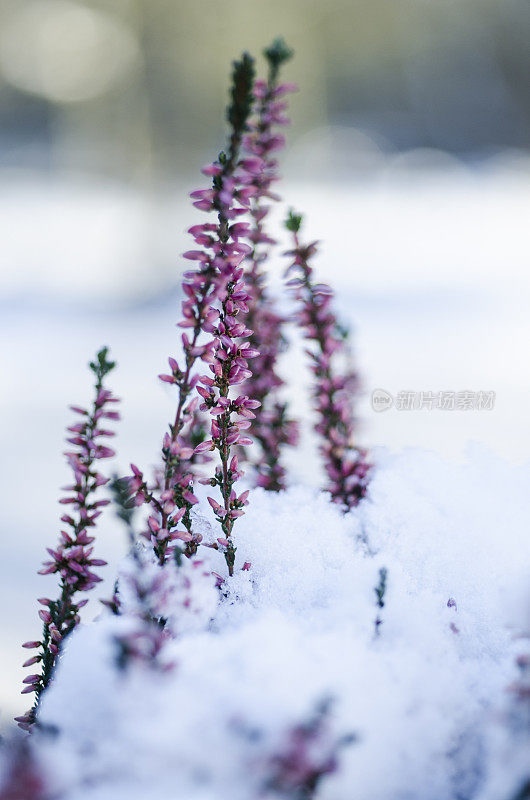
293 222
380 592
380 589
241 97
278 53
342 331
178 555
102 366
121 494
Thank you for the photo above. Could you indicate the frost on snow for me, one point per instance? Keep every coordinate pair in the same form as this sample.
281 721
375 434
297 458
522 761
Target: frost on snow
283 670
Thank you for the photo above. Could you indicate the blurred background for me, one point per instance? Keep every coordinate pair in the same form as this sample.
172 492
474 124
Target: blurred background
408 154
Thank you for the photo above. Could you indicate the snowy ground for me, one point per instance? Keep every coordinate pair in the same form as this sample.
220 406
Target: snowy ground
432 270
426 698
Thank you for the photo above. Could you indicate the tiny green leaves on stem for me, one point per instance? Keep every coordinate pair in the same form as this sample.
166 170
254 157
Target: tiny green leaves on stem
380 589
102 365
277 54
241 97
380 592
293 223
124 502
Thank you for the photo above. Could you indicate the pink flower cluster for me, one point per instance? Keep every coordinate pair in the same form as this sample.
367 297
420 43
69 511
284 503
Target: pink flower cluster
309 753
156 602
226 354
137 592
272 429
215 296
171 509
72 559
230 417
229 324
145 640
345 464
23 776
520 689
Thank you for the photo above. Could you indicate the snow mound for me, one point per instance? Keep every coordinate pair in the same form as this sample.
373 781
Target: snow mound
416 707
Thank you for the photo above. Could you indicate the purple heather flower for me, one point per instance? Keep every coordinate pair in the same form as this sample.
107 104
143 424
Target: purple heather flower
221 310
309 752
158 602
23 777
145 582
230 415
346 465
213 289
272 429
520 688
73 559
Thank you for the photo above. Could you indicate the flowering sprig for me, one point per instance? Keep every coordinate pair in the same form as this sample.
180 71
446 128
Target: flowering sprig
221 250
72 558
144 641
226 353
157 602
520 689
309 753
22 773
272 429
230 368
346 465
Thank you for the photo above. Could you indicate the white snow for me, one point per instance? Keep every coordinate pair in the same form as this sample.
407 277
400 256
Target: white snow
424 697
433 273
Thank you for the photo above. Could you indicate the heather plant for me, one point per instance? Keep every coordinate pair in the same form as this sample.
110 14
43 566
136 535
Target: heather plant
226 381
145 640
333 389
309 753
518 717
521 688
216 301
159 601
72 559
22 776
227 351
272 429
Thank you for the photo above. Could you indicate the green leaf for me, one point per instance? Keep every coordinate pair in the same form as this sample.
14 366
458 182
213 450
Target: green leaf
293 222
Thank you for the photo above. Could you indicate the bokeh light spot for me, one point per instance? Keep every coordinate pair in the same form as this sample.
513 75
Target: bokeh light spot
64 51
